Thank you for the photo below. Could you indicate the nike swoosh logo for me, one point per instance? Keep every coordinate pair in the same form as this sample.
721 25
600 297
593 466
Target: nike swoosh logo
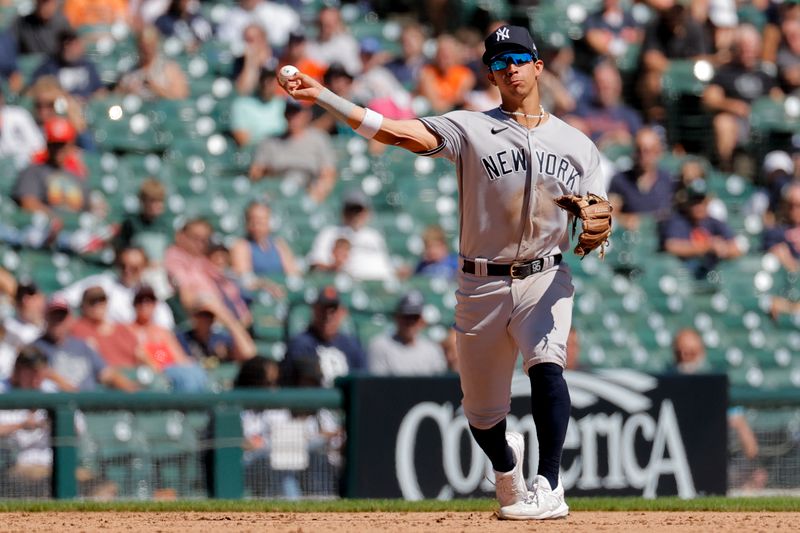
495 131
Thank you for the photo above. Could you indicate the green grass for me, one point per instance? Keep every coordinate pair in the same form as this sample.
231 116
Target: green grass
773 504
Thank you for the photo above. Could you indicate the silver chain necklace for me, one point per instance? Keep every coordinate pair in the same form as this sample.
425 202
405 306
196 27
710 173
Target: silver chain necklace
518 114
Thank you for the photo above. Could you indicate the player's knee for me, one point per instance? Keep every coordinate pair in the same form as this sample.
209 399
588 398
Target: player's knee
484 418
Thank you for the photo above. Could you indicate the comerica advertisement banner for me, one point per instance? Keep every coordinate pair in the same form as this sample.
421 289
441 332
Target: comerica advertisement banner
629 434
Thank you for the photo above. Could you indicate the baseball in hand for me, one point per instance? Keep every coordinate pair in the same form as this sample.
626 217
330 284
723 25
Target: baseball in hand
287 72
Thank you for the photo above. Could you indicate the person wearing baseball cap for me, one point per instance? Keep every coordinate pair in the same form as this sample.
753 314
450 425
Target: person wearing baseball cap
338 353
51 185
406 352
512 241
368 257
80 366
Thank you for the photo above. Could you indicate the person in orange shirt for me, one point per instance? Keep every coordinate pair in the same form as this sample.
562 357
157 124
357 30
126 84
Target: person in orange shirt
95 12
446 82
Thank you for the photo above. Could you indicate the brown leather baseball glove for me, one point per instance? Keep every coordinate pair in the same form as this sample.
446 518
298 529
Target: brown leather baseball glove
595 213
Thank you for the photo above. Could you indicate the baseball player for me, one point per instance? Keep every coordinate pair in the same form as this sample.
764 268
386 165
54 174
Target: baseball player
522 175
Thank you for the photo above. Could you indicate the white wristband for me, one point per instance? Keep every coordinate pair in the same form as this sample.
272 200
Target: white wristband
371 124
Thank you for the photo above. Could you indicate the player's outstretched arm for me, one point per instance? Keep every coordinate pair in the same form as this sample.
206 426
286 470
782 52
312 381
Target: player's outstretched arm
409 134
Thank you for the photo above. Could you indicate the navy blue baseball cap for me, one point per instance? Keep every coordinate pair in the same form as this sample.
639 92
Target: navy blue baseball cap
508 39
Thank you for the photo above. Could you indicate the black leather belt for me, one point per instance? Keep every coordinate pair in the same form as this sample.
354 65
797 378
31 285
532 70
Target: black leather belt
519 270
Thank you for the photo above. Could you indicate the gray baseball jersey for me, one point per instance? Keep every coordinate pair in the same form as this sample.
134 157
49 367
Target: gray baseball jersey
499 162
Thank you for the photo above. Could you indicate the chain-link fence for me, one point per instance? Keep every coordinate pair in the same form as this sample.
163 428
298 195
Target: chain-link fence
774 467
287 454
164 455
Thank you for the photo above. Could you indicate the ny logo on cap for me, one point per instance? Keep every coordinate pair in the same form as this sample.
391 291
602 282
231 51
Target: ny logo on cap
502 34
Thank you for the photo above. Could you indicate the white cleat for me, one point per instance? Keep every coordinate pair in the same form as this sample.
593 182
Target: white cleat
543 503
510 487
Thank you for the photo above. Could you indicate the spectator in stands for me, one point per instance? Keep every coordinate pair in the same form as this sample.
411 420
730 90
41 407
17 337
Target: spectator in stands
258 430
611 31
207 345
377 86
52 186
720 27
160 348
114 341
28 372
81 13
406 352
334 43
783 240
20 138
690 358
195 277
304 151
256 57
296 53
26 434
645 189
9 68
120 286
50 101
155 76
445 82
692 235
338 79
606 119
437 260
53 189
735 86
407 66
150 227
260 253
562 84
672 34
369 257
255 118
75 72
336 353
183 21
776 14
276 19
24 327
788 57
37 32
340 255
72 358
777 172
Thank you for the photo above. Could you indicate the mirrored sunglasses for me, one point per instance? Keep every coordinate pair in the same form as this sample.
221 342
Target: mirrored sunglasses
502 62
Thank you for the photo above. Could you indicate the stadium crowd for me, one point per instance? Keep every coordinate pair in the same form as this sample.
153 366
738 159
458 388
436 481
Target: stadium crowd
177 301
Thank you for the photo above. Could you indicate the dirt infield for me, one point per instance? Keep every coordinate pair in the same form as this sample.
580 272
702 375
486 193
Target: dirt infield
228 522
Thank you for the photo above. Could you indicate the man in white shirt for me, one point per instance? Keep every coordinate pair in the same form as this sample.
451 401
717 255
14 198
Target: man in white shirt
278 21
369 257
20 138
334 44
406 352
24 327
119 288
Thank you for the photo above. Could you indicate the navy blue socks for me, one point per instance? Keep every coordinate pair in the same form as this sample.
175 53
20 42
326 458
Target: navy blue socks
493 442
550 405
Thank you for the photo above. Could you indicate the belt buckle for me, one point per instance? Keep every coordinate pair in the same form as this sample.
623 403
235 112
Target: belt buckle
512 270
